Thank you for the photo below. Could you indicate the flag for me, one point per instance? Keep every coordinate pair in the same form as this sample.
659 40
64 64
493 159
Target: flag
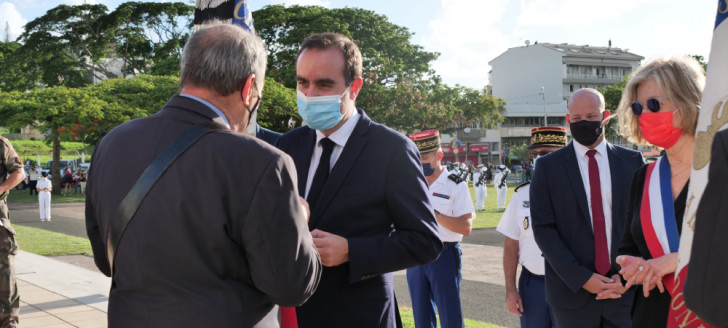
712 118
234 11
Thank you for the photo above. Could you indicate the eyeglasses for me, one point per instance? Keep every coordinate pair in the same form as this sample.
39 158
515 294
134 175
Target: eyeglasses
653 104
535 154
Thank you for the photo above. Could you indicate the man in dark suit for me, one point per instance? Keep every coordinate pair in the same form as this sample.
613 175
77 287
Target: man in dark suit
269 136
580 241
370 214
221 238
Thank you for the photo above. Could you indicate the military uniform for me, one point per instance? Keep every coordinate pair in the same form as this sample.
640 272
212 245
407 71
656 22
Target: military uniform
481 192
438 283
9 298
516 224
501 188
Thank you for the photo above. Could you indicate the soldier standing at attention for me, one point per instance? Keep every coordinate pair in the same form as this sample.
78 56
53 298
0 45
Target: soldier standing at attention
480 190
9 298
438 283
528 301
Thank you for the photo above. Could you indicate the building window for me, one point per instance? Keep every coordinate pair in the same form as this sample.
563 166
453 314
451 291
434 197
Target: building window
571 88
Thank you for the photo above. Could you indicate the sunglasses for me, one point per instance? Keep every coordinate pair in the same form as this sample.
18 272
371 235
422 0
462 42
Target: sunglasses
535 154
653 104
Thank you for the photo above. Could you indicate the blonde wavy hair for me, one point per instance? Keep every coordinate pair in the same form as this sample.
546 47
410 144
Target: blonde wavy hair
682 79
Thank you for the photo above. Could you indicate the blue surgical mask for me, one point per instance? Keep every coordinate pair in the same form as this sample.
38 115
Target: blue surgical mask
427 169
320 113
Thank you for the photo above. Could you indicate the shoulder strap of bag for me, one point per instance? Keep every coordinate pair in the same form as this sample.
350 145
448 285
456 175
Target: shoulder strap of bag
144 183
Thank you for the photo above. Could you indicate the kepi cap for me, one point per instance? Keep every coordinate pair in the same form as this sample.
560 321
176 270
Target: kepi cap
548 136
426 141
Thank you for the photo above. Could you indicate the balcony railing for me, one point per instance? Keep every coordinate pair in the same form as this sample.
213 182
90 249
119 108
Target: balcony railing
593 78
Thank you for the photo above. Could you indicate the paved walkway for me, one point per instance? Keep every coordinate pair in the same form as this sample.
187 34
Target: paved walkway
56 293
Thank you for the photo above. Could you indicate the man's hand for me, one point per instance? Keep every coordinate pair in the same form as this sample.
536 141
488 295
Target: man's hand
514 302
333 249
613 293
603 287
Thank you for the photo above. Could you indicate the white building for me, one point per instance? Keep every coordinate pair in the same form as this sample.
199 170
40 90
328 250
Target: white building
536 81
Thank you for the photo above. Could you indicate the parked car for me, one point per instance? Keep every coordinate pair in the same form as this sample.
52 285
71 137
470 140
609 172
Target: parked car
84 166
70 162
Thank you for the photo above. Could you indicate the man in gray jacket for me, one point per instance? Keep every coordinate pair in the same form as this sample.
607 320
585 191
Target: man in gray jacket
221 239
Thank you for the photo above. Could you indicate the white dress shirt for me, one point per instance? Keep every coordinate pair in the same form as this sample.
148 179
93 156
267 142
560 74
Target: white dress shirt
451 199
605 179
339 137
516 224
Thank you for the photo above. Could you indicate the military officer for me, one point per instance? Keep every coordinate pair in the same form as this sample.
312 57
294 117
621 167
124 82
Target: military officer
9 298
499 183
481 192
438 283
528 301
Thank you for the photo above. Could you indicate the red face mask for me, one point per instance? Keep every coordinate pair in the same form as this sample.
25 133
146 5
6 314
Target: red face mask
658 130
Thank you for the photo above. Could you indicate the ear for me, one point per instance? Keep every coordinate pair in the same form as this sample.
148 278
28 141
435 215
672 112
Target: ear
567 119
355 88
606 114
247 92
440 155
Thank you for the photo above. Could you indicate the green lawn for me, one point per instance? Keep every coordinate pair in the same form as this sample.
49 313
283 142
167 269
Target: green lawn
490 217
23 196
44 242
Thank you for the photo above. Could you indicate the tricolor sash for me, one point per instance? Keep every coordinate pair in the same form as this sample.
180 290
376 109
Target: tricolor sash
657 217
657 213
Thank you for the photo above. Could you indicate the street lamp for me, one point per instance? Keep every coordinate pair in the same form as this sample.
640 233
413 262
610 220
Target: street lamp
543 97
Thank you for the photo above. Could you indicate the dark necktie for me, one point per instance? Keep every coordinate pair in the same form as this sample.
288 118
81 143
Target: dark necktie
322 173
601 251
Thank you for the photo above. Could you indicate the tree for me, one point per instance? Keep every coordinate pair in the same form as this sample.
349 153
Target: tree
278 107
149 33
612 97
702 61
56 110
400 88
71 45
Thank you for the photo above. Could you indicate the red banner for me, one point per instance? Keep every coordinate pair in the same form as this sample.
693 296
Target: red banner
479 148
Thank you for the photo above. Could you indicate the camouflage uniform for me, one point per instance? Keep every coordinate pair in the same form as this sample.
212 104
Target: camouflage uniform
9 298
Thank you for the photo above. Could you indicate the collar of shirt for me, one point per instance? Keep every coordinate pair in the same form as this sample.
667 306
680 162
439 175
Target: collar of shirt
581 150
211 106
340 136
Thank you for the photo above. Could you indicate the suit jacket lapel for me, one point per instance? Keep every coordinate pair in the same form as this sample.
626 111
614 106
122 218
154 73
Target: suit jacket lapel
343 166
302 158
577 184
617 220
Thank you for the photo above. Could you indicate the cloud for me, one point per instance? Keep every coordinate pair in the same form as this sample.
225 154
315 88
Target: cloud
467 34
289 3
12 22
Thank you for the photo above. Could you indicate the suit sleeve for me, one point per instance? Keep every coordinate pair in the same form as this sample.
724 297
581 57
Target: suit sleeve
628 246
283 261
554 249
415 239
93 229
706 288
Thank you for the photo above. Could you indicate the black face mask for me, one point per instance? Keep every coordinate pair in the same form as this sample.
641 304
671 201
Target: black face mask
586 132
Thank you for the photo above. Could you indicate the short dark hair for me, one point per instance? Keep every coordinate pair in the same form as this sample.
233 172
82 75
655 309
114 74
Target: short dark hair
352 55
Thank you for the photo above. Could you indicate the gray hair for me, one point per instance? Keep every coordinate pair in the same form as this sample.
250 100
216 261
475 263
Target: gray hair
221 56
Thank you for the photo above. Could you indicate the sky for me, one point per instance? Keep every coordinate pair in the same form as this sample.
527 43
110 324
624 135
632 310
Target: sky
470 33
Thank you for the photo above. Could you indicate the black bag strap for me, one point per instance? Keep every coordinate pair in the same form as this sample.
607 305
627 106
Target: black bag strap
130 204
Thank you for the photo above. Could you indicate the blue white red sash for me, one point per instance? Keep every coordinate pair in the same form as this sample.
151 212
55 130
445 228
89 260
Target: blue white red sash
657 213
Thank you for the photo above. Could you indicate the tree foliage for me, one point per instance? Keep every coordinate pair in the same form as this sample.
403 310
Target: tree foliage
400 88
72 45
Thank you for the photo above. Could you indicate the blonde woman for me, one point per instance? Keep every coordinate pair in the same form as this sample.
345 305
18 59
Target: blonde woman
659 107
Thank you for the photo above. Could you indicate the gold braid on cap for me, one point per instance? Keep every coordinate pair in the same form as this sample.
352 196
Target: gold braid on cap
550 138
